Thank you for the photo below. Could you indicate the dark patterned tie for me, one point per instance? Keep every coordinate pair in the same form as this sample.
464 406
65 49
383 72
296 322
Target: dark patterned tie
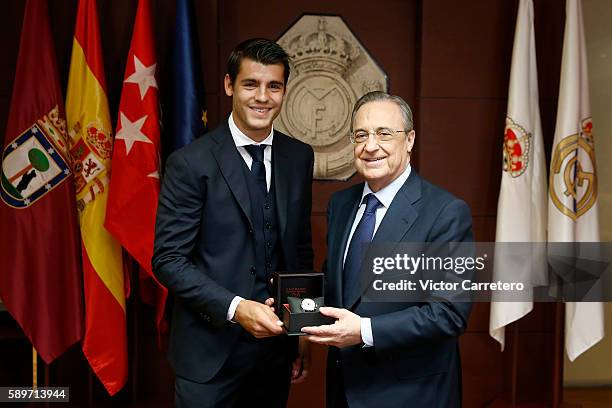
354 257
258 169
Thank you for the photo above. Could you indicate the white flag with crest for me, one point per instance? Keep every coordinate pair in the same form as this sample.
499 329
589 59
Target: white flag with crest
521 210
572 204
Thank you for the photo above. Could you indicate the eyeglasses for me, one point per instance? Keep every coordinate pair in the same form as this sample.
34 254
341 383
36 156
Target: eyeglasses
380 134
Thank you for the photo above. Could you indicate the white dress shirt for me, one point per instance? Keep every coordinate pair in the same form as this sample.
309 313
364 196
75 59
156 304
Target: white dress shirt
241 140
385 196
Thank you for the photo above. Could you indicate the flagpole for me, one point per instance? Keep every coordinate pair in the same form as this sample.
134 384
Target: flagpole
90 387
515 363
135 284
558 358
34 368
46 379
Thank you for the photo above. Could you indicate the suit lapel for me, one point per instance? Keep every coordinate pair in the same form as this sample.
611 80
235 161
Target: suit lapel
229 161
401 213
281 165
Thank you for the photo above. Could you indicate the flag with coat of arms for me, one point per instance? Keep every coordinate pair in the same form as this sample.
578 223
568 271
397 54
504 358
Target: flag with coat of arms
521 212
572 205
89 126
40 276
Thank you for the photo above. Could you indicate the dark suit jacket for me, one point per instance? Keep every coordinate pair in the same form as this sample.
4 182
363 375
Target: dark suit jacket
415 358
205 245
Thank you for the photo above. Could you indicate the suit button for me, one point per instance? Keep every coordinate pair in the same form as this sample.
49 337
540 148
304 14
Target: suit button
253 270
250 230
267 206
269 244
205 317
269 265
268 225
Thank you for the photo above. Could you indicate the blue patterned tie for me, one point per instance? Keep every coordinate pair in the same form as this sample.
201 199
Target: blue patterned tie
258 169
362 236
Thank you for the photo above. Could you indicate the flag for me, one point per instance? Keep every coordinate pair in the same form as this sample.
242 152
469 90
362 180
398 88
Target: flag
105 342
134 185
187 109
40 277
572 204
521 209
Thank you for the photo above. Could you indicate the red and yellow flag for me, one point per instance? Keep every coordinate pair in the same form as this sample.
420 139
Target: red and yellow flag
134 187
89 126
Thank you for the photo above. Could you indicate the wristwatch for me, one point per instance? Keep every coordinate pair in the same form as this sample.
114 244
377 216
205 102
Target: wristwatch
308 305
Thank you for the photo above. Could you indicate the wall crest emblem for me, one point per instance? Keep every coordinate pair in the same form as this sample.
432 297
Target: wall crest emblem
330 71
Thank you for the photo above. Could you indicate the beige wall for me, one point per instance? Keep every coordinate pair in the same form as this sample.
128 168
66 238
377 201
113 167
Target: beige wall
595 366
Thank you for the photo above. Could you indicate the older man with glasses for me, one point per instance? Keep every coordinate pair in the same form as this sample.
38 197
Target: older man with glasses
389 354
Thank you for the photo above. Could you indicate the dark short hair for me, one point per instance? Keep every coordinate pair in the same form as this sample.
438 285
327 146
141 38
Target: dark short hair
378 96
261 50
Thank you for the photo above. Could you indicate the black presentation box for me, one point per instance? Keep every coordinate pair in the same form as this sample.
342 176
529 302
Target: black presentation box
301 285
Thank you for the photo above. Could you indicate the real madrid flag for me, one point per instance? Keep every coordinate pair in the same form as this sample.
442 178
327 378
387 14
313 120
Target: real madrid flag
572 205
40 278
521 211
89 126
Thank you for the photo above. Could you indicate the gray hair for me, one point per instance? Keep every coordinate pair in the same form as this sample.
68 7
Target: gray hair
377 96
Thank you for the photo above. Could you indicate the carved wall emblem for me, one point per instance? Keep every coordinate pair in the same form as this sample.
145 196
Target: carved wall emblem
331 70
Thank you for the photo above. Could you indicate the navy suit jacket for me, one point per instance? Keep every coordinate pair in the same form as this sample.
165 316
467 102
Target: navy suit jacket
205 245
415 358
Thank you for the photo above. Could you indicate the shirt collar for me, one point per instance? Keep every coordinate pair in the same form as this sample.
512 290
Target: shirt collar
240 139
386 194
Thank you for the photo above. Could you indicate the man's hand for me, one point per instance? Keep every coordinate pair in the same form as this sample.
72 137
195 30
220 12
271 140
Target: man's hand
346 331
258 318
301 365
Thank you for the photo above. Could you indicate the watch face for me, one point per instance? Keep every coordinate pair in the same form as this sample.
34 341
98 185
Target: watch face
308 305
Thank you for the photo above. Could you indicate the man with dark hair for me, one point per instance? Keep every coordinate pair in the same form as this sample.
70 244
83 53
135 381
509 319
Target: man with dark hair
389 354
234 207
260 50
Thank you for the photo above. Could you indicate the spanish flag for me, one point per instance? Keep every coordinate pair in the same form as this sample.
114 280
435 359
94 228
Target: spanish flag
89 127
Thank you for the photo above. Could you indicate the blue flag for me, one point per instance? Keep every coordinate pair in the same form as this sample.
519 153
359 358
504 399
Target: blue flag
188 104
